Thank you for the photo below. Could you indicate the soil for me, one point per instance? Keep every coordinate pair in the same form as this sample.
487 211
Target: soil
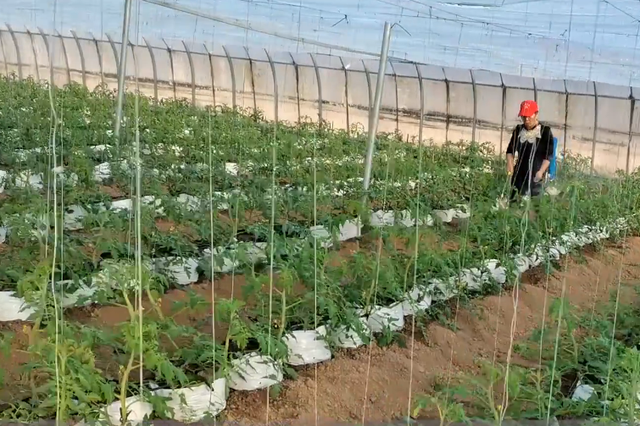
377 383
113 191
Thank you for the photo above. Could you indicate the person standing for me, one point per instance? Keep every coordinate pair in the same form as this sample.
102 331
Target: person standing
529 153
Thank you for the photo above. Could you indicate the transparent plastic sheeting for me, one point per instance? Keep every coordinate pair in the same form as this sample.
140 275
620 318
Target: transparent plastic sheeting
596 120
585 39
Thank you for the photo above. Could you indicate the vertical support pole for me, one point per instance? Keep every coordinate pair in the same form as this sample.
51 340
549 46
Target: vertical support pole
346 95
382 69
566 118
595 128
504 111
320 100
474 124
122 64
633 107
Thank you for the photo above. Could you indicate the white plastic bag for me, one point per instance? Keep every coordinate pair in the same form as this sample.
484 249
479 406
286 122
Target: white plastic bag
122 205
415 301
521 263
191 203
473 279
350 229
151 200
102 172
231 169
70 178
229 260
25 179
582 392
4 231
348 337
499 273
461 212
445 215
253 372
198 401
382 317
443 290
136 411
307 347
73 217
407 220
13 308
83 292
3 180
383 218
256 252
320 233
184 270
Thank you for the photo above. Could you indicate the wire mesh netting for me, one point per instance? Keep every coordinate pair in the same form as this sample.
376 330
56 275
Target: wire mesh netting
193 231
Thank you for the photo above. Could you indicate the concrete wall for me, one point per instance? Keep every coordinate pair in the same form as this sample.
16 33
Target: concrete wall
425 102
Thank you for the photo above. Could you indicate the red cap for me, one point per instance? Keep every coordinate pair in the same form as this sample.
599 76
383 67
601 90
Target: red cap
528 108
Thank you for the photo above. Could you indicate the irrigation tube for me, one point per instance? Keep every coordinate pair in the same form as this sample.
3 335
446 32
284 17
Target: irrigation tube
374 118
122 64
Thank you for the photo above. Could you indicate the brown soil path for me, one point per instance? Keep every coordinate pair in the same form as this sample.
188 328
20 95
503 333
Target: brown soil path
339 391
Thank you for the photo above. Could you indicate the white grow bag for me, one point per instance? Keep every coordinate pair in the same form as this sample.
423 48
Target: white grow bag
473 279
521 263
136 411
497 272
321 234
102 172
25 179
13 308
190 405
73 217
382 218
3 180
189 201
444 290
461 212
445 215
231 169
307 347
348 337
382 317
230 260
417 300
183 270
253 372
350 229
408 221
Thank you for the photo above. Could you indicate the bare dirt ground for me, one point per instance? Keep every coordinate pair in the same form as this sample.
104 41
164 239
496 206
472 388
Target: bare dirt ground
375 383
